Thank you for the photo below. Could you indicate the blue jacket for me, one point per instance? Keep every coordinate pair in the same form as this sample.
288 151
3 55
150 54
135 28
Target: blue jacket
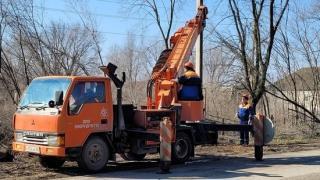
244 112
191 87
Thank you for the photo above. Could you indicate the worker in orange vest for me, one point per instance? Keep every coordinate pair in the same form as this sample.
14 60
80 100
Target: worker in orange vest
191 84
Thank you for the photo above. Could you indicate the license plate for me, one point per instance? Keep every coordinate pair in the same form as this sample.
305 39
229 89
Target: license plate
32 149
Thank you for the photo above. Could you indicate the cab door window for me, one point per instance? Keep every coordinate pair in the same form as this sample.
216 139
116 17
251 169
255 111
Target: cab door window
85 93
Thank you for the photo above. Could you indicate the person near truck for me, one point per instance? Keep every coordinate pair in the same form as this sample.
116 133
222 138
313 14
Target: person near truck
245 113
190 82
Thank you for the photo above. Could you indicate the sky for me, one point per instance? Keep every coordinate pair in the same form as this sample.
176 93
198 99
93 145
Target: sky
115 19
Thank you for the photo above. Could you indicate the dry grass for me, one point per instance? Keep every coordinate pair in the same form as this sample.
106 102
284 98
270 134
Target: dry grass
6 132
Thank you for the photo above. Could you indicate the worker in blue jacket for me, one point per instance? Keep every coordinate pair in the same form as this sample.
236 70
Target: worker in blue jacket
191 88
245 113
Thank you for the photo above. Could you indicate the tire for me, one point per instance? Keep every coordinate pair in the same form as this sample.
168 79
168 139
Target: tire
94 155
51 162
132 156
182 148
258 153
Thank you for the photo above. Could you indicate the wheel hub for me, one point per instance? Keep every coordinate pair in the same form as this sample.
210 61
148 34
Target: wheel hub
95 152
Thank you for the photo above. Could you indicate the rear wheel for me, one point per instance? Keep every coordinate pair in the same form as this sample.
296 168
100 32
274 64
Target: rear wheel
258 153
94 155
130 156
182 148
51 162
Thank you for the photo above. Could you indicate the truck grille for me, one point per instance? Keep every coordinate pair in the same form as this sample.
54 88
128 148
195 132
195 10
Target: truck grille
33 137
36 140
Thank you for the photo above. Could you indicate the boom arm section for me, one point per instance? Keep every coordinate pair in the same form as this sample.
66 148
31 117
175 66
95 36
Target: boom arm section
182 43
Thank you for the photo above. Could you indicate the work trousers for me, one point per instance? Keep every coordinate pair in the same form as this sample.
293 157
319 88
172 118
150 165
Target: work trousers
244 135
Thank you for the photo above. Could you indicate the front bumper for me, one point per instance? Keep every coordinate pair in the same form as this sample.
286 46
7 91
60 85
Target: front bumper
38 149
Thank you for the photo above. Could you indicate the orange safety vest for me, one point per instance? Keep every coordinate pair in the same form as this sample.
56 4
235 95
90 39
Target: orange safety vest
190 74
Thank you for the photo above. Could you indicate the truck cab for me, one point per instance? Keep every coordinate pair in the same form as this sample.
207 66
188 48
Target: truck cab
57 115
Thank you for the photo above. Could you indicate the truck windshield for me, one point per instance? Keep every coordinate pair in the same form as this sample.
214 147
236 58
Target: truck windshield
41 91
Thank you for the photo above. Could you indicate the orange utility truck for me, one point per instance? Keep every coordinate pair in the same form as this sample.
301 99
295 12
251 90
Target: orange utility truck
73 118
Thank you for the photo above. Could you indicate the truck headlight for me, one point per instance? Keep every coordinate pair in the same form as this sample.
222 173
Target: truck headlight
56 140
18 136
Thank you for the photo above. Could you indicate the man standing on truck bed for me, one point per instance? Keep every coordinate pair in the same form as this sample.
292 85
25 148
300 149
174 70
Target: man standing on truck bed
245 113
191 84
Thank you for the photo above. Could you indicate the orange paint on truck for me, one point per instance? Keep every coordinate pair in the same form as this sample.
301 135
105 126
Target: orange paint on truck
75 128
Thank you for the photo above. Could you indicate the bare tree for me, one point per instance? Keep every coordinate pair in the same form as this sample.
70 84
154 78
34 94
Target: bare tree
219 66
304 43
30 48
256 29
150 54
89 22
2 28
153 9
129 59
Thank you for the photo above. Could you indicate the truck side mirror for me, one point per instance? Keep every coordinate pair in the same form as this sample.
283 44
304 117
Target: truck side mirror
58 98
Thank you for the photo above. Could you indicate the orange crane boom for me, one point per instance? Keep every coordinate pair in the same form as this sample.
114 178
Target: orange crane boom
171 60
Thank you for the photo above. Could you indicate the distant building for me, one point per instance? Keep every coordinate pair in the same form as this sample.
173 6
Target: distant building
303 86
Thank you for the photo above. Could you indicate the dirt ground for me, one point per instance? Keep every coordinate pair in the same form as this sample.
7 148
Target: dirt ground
25 167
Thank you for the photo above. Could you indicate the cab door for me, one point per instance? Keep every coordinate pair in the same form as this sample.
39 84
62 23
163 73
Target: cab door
89 111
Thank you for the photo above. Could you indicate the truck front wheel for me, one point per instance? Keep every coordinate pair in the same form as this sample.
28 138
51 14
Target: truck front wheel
182 148
51 162
94 155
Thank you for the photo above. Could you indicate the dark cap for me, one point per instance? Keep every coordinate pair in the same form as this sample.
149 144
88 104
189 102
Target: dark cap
246 96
